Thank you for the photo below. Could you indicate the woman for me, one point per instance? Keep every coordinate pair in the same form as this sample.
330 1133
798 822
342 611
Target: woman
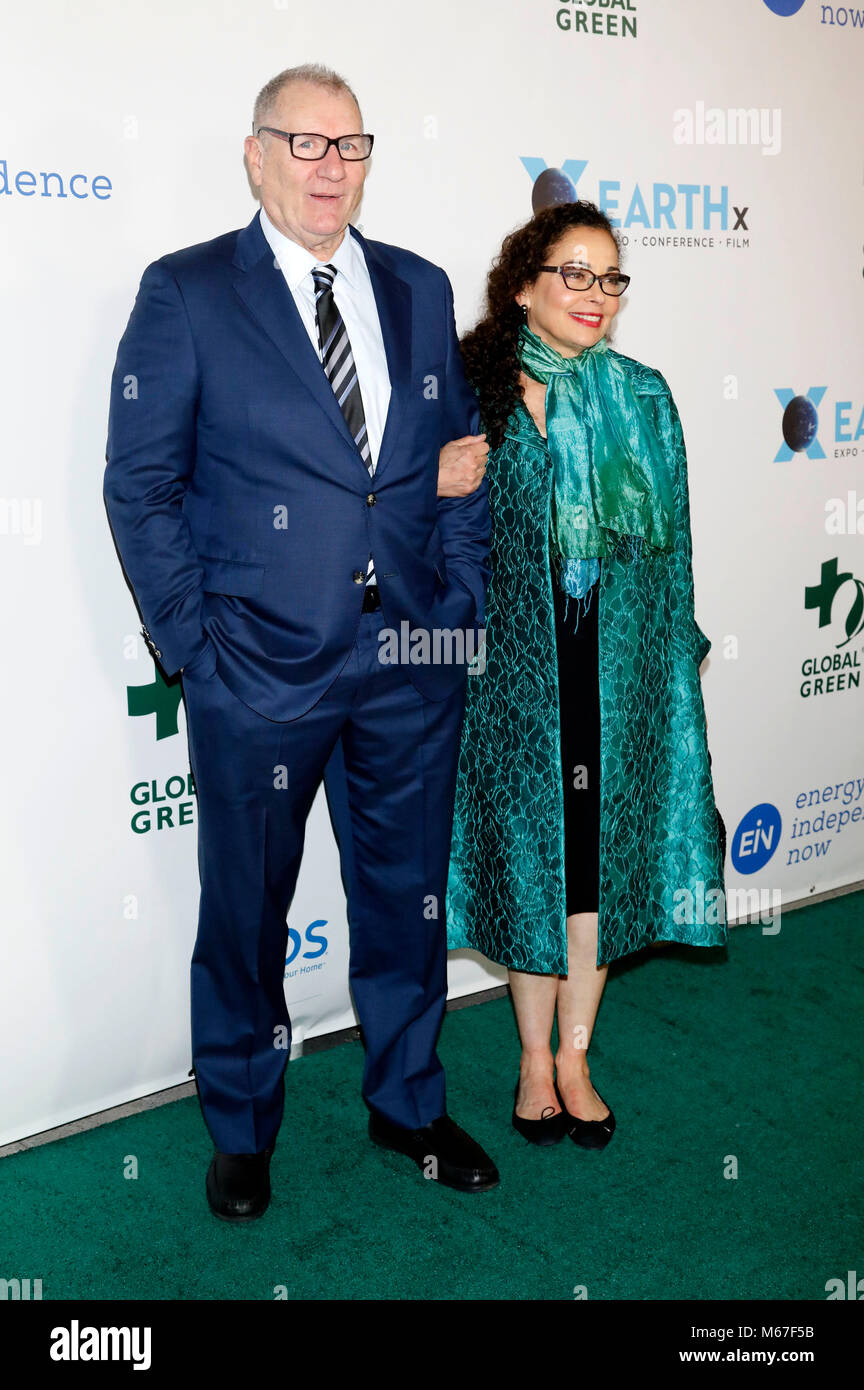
584 812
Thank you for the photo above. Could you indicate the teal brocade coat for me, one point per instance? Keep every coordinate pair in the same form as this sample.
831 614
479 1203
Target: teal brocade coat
658 825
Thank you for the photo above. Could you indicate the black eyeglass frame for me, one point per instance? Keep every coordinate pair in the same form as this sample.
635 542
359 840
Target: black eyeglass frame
562 271
291 136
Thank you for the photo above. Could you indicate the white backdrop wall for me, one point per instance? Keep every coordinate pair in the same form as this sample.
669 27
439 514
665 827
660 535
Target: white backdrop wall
138 114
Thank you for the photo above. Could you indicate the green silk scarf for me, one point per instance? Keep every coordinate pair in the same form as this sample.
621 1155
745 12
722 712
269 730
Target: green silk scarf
610 476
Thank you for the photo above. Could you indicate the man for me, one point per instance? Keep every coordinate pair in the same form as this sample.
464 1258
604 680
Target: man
279 401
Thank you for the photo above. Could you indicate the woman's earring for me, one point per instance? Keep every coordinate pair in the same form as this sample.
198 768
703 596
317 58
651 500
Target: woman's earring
524 308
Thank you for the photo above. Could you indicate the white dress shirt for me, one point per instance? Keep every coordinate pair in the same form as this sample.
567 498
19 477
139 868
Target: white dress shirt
355 300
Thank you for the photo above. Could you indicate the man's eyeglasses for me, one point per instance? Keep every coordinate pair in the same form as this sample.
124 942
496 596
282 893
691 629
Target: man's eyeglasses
307 146
577 277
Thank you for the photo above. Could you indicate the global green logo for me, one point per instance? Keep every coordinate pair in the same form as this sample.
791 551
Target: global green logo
821 596
160 698
613 19
163 805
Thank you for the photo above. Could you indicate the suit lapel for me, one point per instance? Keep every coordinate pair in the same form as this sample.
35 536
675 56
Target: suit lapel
393 300
261 285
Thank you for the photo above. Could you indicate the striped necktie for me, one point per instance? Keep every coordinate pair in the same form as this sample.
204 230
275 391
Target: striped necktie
338 359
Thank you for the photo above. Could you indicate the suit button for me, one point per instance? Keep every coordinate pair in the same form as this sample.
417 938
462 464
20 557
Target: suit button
371 499
159 654
358 576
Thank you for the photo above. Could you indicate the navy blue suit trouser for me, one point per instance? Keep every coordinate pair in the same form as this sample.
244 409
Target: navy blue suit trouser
256 781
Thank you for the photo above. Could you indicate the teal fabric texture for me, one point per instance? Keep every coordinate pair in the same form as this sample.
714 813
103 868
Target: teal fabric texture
661 868
609 471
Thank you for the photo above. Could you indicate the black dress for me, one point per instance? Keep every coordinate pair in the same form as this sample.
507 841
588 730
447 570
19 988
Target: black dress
579 703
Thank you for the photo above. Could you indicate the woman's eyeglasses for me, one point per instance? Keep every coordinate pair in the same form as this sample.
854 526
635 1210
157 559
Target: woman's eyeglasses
577 277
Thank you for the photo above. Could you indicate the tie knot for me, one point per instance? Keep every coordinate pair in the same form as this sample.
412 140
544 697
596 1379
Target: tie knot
323 276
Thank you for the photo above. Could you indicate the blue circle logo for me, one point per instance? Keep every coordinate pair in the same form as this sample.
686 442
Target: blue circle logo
800 423
552 187
756 838
784 7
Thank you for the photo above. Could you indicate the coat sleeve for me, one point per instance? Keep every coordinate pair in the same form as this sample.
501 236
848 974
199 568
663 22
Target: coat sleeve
463 522
150 458
672 436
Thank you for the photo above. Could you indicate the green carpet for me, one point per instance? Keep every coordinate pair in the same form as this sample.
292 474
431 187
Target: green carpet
702 1055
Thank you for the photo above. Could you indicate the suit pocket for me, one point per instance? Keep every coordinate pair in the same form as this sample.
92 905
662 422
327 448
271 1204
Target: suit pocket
232 577
204 662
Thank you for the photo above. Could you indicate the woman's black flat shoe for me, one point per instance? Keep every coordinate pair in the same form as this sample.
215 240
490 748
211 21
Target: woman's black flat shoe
549 1129
588 1134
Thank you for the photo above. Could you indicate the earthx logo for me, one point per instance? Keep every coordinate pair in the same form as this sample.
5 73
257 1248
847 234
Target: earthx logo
800 425
696 214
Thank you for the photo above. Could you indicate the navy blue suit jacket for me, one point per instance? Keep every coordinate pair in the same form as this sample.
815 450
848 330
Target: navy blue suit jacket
241 507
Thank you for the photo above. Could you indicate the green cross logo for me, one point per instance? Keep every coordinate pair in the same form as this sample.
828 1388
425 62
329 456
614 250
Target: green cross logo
161 698
821 597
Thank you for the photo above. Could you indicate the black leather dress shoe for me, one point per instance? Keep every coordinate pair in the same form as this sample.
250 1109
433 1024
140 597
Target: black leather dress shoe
238 1185
443 1151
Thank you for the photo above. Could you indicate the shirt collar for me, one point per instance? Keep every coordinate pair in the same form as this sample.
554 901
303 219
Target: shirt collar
296 262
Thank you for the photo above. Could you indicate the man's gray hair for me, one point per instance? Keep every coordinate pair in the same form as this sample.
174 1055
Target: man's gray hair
313 73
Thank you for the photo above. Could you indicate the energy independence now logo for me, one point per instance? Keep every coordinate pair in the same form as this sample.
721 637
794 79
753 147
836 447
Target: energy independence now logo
835 16
611 19
758 834
801 425
756 838
697 208
49 184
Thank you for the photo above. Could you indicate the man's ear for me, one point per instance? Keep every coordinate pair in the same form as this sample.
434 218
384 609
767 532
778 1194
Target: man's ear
253 152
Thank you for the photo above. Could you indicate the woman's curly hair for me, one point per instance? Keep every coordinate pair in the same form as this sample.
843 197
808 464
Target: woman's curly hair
489 351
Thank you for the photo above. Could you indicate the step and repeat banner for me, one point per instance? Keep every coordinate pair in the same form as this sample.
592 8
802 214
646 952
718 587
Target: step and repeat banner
724 139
